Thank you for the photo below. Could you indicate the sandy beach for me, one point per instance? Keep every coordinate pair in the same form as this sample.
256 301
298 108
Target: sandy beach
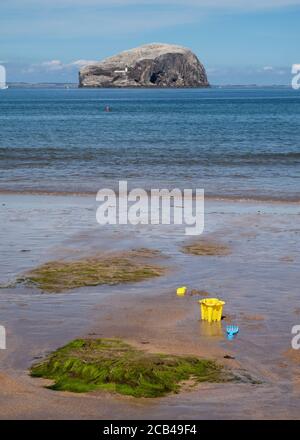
258 281
149 217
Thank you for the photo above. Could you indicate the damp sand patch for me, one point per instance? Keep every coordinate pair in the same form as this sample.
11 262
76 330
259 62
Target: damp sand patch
112 365
122 267
206 248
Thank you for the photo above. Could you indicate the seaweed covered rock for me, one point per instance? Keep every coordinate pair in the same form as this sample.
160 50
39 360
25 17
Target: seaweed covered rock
112 365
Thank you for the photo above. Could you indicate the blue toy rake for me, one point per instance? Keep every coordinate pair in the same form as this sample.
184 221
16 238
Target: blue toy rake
232 330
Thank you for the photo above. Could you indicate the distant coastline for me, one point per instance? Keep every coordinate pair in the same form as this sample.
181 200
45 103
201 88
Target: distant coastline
49 85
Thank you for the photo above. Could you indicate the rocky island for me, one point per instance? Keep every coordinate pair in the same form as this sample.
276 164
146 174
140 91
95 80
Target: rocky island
152 65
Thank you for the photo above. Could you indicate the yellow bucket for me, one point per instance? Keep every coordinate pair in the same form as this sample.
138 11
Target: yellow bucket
181 291
211 309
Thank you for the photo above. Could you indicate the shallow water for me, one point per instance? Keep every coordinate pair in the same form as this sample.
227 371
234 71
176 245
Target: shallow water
232 142
260 277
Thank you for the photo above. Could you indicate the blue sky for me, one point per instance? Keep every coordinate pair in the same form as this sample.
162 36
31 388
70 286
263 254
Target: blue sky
238 41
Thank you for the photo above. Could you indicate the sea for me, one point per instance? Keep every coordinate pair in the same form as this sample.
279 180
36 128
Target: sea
239 143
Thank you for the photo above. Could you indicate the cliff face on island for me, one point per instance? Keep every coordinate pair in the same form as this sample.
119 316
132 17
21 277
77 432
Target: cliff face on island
151 65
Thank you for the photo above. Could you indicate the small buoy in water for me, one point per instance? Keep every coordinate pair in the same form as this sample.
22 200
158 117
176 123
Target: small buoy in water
107 109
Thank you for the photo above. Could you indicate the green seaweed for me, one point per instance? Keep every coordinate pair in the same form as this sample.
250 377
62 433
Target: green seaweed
206 248
110 364
57 276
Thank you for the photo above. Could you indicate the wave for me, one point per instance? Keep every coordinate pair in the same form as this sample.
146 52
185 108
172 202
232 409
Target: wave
243 198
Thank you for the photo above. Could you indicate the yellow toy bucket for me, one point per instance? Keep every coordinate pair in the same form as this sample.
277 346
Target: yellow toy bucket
181 291
211 309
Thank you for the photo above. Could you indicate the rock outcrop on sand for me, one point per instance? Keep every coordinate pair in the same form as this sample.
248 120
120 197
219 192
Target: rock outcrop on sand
152 65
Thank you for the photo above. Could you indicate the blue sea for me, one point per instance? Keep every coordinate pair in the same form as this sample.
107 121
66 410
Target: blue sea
236 143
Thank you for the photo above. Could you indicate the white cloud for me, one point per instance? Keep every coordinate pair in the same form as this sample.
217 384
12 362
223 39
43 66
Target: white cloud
81 63
52 65
275 70
99 18
55 65
86 22
281 72
268 68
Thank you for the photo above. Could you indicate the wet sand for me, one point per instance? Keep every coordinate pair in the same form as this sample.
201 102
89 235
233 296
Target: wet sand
258 280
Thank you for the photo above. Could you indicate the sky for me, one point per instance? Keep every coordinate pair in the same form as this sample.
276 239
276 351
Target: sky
238 41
